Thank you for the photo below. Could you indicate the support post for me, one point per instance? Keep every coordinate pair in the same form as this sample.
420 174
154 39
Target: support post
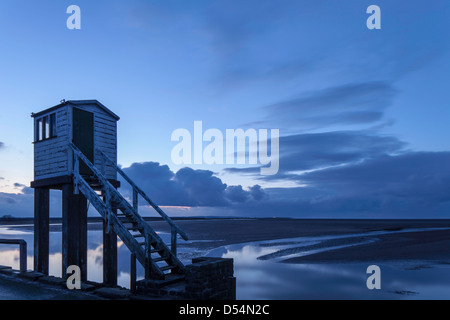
173 242
23 256
148 254
41 229
135 200
109 255
133 273
74 231
109 249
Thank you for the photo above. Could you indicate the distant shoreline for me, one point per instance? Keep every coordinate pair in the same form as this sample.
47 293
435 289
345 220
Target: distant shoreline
30 220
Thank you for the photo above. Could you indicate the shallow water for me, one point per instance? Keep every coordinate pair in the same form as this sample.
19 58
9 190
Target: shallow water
9 254
261 275
259 269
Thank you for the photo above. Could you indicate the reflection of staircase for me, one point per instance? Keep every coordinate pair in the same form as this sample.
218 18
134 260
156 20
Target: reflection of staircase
149 249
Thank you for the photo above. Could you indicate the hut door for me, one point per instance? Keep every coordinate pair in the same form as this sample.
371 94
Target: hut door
83 136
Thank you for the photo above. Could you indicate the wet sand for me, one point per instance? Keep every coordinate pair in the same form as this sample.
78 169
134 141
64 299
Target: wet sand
208 234
431 246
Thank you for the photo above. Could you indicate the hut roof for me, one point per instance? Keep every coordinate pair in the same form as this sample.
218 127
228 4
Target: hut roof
77 103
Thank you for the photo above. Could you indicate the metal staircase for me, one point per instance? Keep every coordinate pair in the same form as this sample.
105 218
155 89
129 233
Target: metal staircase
123 218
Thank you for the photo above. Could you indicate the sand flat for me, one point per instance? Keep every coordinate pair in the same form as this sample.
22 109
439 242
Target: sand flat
432 246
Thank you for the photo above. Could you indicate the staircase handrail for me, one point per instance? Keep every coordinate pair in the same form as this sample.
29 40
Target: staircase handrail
146 198
82 185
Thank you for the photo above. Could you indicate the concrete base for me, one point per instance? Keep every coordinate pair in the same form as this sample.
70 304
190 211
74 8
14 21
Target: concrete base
5 270
113 293
210 279
205 279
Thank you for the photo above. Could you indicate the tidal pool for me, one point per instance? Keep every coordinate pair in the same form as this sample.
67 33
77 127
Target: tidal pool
261 274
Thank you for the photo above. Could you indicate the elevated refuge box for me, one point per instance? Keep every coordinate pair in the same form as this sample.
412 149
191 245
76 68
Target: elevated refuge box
92 128
88 124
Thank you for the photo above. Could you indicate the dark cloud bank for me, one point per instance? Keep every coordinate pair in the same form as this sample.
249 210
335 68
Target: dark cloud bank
411 185
359 174
187 187
343 174
372 185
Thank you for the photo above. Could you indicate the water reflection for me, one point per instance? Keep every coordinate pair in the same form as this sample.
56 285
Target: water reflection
270 279
9 254
259 272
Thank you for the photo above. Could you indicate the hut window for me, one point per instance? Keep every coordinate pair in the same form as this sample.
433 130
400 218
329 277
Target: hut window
45 127
52 125
38 130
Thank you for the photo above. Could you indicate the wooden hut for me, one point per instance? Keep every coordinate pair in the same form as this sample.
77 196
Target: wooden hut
91 127
88 124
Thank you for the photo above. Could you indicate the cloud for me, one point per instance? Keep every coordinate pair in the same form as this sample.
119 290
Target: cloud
350 104
353 174
257 192
186 187
236 194
199 188
416 176
2 145
313 151
410 185
23 188
17 205
406 185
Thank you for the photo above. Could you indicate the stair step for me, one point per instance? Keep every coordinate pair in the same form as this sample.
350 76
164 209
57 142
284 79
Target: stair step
134 228
143 243
156 251
138 235
170 279
152 242
159 259
167 268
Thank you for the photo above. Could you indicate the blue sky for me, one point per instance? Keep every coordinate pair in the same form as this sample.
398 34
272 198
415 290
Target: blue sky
349 102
